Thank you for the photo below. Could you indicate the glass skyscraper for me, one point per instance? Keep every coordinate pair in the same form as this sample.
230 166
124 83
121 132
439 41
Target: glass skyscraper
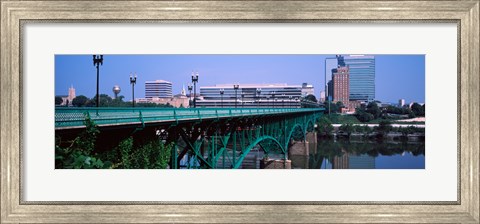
362 76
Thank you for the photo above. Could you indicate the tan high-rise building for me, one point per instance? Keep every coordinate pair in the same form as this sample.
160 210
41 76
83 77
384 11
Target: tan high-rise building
341 85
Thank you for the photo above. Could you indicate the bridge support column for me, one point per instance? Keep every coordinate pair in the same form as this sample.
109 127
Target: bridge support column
311 138
299 148
275 164
300 151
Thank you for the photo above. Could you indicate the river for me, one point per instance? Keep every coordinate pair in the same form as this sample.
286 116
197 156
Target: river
364 154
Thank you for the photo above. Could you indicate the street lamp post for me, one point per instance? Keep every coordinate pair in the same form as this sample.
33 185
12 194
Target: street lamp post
97 61
190 87
133 81
195 80
235 87
222 91
258 96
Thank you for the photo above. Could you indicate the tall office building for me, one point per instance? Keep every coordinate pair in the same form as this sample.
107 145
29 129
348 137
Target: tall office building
340 82
158 89
362 76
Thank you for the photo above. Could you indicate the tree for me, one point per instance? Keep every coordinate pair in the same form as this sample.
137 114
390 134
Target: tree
311 97
331 107
408 130
324 126
418 110
105 100
384 127
80 101
347 128
373 109
340 105
58 100
118 102
362 115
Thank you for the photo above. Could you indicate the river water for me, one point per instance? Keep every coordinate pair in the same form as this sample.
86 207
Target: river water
345 154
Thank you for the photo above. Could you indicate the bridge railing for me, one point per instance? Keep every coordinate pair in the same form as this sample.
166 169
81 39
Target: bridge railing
74 117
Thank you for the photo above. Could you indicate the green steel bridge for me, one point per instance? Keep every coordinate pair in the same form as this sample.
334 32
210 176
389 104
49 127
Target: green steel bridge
207 137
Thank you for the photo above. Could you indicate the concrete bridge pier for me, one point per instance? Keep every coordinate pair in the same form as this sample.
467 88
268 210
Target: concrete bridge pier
299 151
275 164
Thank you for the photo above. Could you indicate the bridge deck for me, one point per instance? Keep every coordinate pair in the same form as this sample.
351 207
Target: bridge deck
68 118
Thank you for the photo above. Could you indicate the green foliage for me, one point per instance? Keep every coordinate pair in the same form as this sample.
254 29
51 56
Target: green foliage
80 101
339 105
58 100
363 116
311 97
86 140
373 109
397 110
347 128
79 154
383 128
342 119
324 126
407 131
330 107
418 110
365 129
151 155
107 101
126 147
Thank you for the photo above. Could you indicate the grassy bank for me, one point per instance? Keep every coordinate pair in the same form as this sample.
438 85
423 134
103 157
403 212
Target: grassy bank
351 119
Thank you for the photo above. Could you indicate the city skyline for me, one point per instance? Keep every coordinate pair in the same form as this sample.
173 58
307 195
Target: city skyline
397 76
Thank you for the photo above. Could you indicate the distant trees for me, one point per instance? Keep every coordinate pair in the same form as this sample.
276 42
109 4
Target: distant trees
58 100
107 101
324 126
347 129
334 107
384 127
373 109
80 101
311 97
362 115
418 110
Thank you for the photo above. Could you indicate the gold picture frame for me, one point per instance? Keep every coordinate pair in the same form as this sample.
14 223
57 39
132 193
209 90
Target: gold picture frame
464 13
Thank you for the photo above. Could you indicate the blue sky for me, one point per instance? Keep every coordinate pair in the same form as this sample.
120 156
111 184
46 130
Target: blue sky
397 76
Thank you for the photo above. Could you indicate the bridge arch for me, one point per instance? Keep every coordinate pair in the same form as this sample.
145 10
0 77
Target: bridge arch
304 131
253 144
303 128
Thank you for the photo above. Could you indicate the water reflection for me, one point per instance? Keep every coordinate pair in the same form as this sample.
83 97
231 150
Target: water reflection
344 154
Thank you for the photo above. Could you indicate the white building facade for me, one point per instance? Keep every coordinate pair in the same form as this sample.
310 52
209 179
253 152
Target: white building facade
250 95
158 89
